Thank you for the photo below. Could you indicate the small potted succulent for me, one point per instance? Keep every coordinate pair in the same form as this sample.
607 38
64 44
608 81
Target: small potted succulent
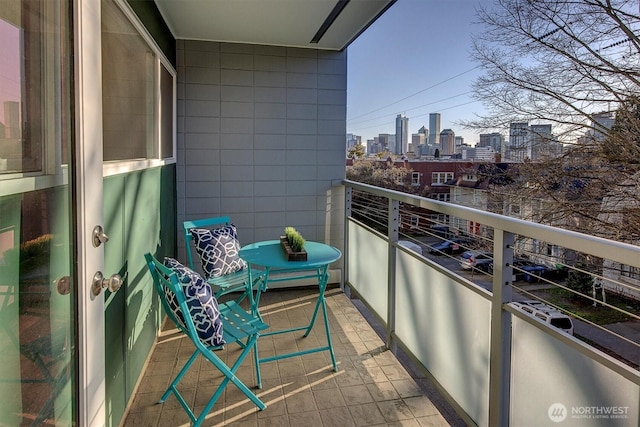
293 244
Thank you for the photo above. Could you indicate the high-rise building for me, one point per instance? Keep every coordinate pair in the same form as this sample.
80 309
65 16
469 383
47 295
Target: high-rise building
447 142
601 123
387 143
458 142
12 120
402 134
494 140
434 129
353 140
531 143
419 141
517 149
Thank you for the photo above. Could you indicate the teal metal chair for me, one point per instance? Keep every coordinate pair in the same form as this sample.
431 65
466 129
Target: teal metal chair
231 283
239 326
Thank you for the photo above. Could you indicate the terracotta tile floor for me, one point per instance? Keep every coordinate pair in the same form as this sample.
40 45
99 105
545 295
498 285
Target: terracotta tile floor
371 387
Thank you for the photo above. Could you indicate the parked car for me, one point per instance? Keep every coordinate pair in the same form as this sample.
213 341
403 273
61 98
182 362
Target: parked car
411 245
440 231
547 314
528 271
450 247
478 260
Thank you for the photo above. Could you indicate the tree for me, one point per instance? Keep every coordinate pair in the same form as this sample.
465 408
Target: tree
564 62
581 282
356 152
380 174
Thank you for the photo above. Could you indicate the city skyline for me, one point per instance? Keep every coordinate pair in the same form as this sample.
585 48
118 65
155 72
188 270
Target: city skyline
414 61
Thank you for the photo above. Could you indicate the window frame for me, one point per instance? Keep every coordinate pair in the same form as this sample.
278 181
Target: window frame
115 167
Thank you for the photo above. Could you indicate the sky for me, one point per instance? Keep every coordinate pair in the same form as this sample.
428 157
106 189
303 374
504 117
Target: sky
414 60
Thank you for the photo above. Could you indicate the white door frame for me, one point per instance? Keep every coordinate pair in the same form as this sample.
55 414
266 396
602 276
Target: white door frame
88 205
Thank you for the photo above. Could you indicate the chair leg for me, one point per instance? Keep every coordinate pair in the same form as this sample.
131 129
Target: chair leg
230 376
176 380
256 360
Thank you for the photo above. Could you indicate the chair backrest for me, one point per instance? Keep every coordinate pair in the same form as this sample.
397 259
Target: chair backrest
166 279
219 221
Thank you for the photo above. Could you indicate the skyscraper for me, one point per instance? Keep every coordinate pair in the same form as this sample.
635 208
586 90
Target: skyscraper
518 150
447 142
494 140
402 134
434 129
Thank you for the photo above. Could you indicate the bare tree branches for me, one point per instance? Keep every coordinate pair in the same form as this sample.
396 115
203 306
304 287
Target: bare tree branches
558 61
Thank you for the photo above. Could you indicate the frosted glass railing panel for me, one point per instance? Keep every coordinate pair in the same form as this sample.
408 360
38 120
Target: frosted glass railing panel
553 383
368 268
446 326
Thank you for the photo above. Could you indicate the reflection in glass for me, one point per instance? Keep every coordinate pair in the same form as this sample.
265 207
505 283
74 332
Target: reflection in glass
36 287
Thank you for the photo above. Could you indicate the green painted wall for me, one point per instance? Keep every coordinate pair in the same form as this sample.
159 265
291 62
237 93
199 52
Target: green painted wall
140 216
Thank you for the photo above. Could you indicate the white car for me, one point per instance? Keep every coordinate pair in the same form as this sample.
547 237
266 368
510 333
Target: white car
547 314
411 246
476 259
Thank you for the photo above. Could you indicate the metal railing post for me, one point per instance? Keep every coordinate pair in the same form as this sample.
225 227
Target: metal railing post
348 194
393 223
500 344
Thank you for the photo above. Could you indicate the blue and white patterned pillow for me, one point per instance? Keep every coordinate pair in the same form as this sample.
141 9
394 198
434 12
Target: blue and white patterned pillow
218 250
203 306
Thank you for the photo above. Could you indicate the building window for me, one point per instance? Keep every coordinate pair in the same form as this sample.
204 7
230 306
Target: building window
415 179
514 209
630 272
442 197
440 178
415 221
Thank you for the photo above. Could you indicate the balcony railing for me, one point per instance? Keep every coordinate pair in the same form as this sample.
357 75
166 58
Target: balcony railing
497 364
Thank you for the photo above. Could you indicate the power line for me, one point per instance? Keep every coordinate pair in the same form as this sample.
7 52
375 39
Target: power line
409 109
413 117
416 93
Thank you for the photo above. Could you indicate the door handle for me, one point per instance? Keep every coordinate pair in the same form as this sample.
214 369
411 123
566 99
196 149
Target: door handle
99 237
100 282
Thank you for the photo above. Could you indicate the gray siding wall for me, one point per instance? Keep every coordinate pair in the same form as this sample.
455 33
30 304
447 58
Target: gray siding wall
261 138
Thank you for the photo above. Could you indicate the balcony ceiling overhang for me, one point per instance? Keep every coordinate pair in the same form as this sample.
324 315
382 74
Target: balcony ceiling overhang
291 23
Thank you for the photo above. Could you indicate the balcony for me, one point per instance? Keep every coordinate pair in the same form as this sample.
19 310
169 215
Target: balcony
370 387
492 362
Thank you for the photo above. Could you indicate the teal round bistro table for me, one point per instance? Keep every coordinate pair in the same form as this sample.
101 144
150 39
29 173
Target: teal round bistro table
270 259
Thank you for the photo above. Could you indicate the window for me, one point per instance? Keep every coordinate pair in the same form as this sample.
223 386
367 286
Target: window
514 209
34 98
415 221
630 272
415 179
137 93
443 197
440 178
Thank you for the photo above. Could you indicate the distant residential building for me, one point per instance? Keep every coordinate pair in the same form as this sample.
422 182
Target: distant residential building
402 134
434 129
447 142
